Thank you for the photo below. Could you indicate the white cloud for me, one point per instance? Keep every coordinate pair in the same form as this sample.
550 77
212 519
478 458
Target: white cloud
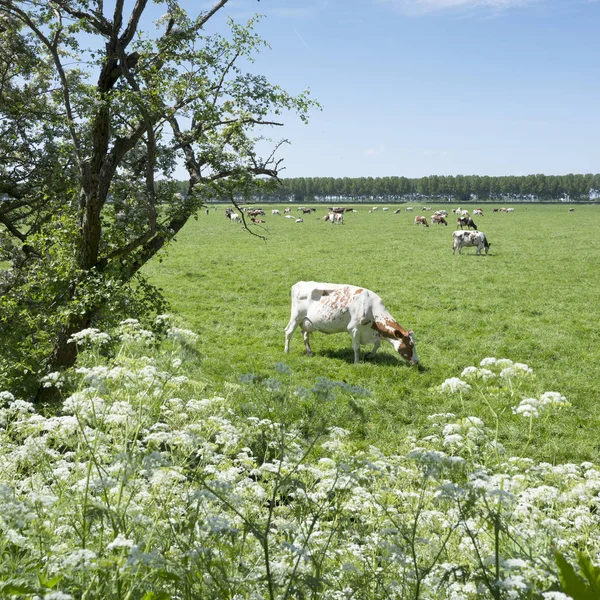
420 7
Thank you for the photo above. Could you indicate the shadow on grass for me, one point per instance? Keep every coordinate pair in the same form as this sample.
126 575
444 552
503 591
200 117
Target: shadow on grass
388 360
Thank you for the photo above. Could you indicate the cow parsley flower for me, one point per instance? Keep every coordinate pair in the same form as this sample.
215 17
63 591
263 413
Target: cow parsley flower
529 407
182 335
52 379
475 373
516 370
454 384
6 397
120 542
488 362
554 398
90 335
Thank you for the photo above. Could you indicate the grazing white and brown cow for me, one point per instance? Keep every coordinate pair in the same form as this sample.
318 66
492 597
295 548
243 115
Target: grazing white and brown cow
300 220
235 218
256 212
397 211
275 212
478 212
466 222
334 218
420 220
335 308
287 211
571 210
439 220
460 239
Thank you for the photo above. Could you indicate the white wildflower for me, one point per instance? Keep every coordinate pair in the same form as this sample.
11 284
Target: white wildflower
487 362
454 384
182 335
504 363
120 542
52 379
57 595
453 439
529 407
90 335
554 398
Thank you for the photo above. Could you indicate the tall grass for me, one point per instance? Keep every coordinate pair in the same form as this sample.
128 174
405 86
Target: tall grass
533 299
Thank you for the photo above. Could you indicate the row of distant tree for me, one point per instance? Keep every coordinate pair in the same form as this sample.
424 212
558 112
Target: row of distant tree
461 188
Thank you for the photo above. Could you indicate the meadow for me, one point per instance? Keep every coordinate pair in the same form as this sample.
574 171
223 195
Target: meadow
533 299
206 463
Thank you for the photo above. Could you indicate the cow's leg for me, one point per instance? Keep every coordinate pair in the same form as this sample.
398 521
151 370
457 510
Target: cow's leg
376 345
355 333
306 337
289 330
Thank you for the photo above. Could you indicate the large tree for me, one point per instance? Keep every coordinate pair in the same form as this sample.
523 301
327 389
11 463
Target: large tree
95 115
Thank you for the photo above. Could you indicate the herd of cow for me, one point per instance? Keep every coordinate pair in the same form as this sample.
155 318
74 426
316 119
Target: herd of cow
335 215
335 308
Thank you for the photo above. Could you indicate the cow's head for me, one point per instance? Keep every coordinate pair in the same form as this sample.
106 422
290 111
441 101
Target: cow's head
406 346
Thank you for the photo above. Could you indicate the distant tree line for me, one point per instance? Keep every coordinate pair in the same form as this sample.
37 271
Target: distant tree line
460 188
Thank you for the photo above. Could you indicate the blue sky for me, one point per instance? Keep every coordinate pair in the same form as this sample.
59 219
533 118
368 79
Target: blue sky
445 87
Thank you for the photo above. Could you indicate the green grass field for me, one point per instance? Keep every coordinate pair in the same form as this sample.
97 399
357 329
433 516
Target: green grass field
533 299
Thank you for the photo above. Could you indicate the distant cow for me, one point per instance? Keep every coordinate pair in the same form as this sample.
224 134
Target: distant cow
478 211
419 220
300 220
306 211
334 218
385 209
335 308
256 212
275 212
571 210
287 210
460 239
255 220
439 220
409 208
397 211
235 218
466 222
495 210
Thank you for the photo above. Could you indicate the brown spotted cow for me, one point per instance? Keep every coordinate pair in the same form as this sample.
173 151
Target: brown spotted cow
335 308
419 220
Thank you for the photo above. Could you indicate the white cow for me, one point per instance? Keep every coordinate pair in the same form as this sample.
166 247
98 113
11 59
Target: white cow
463 238
334 308
235 218
409 208
385 209
275 212
334 218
